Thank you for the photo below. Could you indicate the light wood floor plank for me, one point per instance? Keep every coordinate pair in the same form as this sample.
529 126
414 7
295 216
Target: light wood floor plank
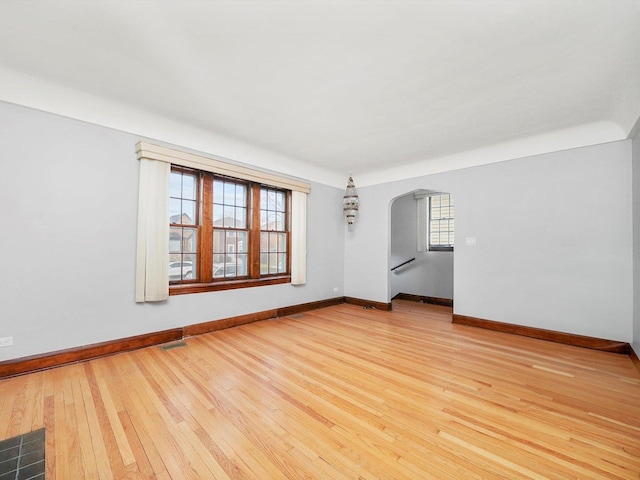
338 393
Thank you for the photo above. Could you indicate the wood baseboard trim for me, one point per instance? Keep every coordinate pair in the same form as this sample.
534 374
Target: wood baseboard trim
446 302
305 307
542 334
215 325
634 358
44 361
368 303
24 365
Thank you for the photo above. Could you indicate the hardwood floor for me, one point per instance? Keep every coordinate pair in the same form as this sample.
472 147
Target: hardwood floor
337 393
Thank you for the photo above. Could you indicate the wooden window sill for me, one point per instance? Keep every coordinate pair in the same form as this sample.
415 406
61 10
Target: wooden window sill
187 288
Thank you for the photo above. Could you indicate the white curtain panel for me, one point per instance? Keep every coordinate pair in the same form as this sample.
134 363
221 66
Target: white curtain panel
422 205
152 267
298 238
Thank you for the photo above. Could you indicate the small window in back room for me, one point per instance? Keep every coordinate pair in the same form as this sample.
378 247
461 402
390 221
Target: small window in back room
441 223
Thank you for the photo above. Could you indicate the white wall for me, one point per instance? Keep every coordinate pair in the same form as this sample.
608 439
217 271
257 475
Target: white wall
554 241
69 193
431 273
636 244
553 233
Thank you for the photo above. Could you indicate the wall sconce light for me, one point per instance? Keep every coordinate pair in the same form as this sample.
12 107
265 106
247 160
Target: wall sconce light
350 202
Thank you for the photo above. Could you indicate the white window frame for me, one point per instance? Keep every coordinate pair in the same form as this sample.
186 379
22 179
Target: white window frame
423 217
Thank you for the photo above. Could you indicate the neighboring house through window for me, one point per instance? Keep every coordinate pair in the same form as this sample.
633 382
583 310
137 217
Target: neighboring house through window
230 228
244 230
183 220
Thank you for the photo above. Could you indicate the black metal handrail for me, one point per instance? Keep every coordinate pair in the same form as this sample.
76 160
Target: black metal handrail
403 263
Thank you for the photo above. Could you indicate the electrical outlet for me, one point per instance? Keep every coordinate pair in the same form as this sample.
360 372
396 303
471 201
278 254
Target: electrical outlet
6 341
335 289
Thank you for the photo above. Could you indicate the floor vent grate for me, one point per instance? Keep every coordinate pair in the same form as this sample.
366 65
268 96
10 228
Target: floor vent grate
171 346
23 456
299 315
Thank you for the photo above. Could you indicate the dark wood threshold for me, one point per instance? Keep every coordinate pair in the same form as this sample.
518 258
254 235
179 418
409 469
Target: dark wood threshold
20 366
446 302
368 304
542 334
634 358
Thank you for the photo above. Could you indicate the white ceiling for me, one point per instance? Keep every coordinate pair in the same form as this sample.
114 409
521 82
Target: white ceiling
382 90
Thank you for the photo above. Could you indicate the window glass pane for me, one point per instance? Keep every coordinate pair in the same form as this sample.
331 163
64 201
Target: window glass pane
175 210
241 267
230 270
241 196
175 184
218 269
229 193
263 220
279 217
282 263
175 240
218 215
183 242
188 212
273 242
175 268
242 246
230 244
189 267
282 242
218 190
230 211
182 267
189 240
264 242
271 200
188 186
218 241
229 217
241 215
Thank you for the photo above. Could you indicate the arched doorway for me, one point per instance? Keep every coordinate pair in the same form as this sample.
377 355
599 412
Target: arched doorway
421 265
